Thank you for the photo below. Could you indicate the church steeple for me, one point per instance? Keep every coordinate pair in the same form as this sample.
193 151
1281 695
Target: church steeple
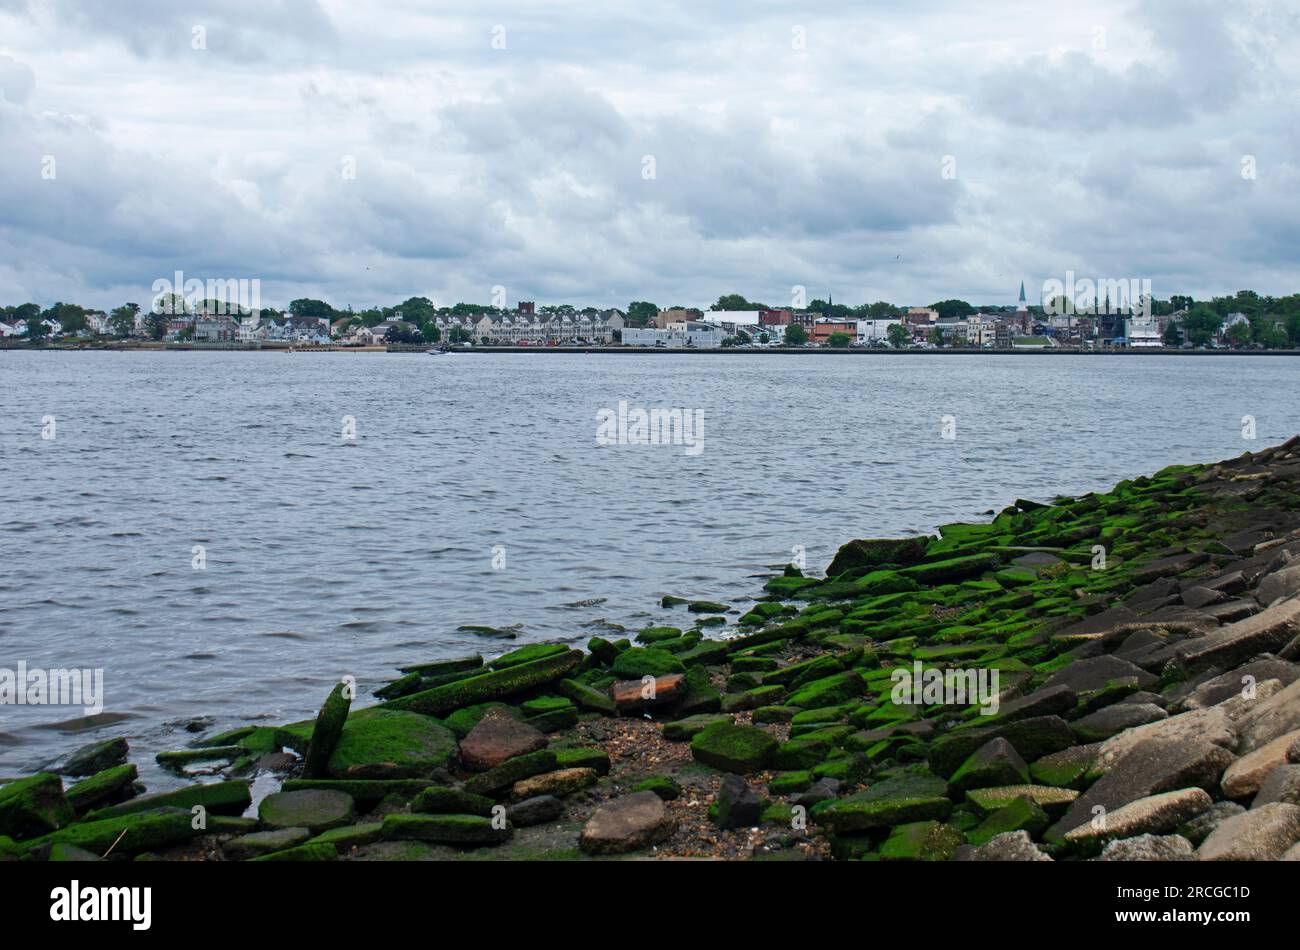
1022 304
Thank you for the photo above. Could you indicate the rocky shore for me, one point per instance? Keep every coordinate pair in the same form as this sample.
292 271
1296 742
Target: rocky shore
1141 646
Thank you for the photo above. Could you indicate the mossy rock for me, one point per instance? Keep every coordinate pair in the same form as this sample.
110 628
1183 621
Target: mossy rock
787 783
312 851
1020 814
315 809
952 569
440 800
922 841
465 830
769 714
497 684
586 757
798 674
126 834
463 721
33 806
655 634
645 661
683 730
99 788
733 748
351 836
217 798
329 727
398 744
1047 797
828 691
363 791
587 697
662 785
503 776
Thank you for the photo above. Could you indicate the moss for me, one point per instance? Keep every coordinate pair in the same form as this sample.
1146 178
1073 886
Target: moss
733 748
1021 813
798 674
33 806
485 687
952 569
351 836
688 728
645 661
445 829
462 721
441 800
230 737
403 744
329 727
101 786
787 783
587 697
769 714
220 798
797 754
503 776
311 851
828 691
922 841
586 757
364 791
125 834
662 785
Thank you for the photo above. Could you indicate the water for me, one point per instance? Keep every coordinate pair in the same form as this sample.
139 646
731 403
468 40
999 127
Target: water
327 557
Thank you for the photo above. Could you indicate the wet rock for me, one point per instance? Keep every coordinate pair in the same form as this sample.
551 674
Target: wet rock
994 763
537 810
441 800
632 695
263 842
313 809
33 806
467 830
97 757
499 683
1021 814
496 738
626 824
382 743
509 772
1261 834
922 841
733 748
103 788
1149 848
1033 738
217 798
738 805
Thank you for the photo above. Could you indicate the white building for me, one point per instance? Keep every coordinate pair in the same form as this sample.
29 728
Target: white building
695 334
872 331
1143 333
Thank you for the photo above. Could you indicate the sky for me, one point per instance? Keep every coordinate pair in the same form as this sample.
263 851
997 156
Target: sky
596 153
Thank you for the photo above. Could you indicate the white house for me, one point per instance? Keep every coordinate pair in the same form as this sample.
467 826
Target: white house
692 333
874 330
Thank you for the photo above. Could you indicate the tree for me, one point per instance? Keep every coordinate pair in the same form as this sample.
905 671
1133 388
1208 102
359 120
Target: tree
155 324
309 307
1201 325
949 309
764 338
122 320
1173 335
736 302
417 310
70 317
458 334
898 335
37 329
936 336
641 312
795 335
1238 335
431 333
839 341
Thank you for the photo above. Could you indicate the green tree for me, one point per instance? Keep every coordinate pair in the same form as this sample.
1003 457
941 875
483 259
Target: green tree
641 312
417 310
1173 335
37 329
122 320
736 302
936 336
839 341
952 308
795 335
1237 335
155 324
898 335
431 333
1201 324
309 307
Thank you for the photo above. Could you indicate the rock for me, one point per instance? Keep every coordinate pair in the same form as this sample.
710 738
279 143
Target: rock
498 737
733 748
1151 767
217 798
590 757
637 694
634 663
1281 785
663 786
103 788
331 719
828 691
686 729
314 809
127 834
1021 814
1198 597
922 841
1261 834
70 852
1245 776
1084 676
33 806
821 791
994 763
511 771
385 743
494 685
263 842
1265 721
558 783
1264 632
1050 701
1154 815
1068 768
870 553
1207 725
586 697
1149 848
739 806
626 824
440 800
1113 720
96 757
1012 846
365 792
988 800
312 851
1032 738
351 836
1200 827
1227 685
537 810
468 830
898 800
1283 582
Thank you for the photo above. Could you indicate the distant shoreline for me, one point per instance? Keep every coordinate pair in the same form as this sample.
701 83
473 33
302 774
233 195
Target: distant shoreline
642 350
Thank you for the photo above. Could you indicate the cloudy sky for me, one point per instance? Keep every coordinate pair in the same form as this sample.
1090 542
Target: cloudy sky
600 152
